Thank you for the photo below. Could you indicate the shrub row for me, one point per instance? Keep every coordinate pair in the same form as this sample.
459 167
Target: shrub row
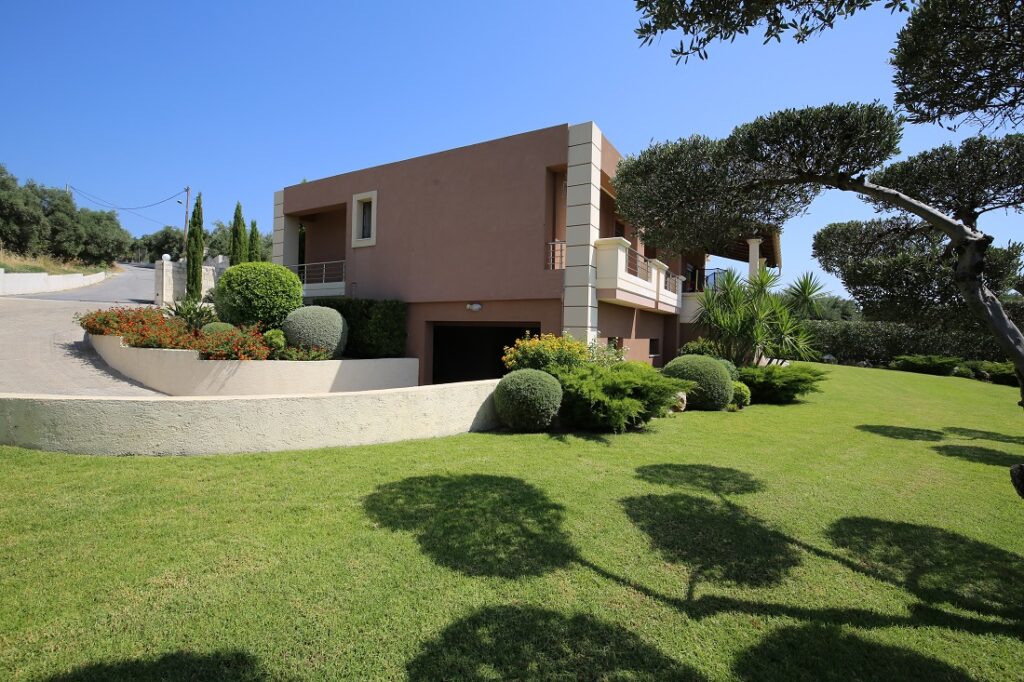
778 385
377 329
882 342
940 365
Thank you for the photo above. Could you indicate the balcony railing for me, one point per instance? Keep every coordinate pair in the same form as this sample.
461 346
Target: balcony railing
673 282
554 256
701 279
638 265
320 273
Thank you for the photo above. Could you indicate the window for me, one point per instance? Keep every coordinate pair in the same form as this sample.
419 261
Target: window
366 229
364 219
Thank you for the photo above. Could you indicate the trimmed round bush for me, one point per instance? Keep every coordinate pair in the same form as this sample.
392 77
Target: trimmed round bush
714 386
214 327
257 293
315 326
734 373
740 394
527 400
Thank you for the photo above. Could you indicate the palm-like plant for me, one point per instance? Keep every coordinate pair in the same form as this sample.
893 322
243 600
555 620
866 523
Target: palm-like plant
804 296
750 321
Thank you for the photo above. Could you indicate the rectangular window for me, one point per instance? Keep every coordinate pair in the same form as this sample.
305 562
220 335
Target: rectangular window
655 347
366 219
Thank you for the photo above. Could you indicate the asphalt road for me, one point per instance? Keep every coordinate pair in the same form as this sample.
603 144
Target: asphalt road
43 351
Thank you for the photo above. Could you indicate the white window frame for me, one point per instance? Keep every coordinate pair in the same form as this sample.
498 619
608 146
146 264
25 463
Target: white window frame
357 219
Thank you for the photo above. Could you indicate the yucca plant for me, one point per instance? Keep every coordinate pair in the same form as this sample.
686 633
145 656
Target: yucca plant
750 321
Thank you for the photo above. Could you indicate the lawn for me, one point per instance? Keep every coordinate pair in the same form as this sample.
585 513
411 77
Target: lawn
870 533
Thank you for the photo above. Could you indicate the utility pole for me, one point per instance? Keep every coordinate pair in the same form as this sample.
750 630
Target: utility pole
188 194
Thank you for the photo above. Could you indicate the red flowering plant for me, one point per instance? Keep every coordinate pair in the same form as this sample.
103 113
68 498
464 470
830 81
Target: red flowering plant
243 343
138 327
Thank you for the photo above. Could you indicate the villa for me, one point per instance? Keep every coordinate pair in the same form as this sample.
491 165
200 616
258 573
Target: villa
488 241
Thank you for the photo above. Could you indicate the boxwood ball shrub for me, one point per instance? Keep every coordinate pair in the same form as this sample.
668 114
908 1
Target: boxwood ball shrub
730 368
714 385
316 326
214 327
740 394
527 400
257 293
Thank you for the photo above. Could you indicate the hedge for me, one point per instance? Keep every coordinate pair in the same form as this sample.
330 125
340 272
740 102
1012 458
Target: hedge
881 342
377 329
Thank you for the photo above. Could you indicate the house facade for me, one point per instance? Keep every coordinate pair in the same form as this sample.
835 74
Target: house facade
489 241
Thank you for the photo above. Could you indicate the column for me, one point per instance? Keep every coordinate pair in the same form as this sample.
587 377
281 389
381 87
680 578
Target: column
285 250
582 229
754 256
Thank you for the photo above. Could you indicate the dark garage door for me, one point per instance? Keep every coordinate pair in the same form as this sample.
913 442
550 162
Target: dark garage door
472 352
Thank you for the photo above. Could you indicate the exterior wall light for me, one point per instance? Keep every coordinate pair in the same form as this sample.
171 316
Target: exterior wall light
474 307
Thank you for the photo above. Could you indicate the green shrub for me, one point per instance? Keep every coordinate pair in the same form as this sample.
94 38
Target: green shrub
963 372
214 327
257 293
730 368
714 385
940 365
316 326
546 352
192 312
376 329
615 398
293 353
527 400
778 385
700 346
740 395
996 372
275 340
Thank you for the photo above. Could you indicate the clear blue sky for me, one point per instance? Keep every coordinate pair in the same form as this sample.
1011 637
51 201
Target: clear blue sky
132 101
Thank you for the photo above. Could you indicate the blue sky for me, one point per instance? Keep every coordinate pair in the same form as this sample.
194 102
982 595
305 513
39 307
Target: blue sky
132 101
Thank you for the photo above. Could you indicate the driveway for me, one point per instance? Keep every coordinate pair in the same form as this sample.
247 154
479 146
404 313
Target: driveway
43 350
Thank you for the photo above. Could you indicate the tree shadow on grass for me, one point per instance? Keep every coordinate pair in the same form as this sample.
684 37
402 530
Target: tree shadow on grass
233 666
818 653
718 480
936 565
973 453
901 432
567 437
716 540
526 643
476 524
976 434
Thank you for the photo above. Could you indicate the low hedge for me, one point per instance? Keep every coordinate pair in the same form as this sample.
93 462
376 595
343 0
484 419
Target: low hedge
939 365
527 400
996 372
779 385
377 329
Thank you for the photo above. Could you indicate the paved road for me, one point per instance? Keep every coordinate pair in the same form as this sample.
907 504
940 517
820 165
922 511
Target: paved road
133 284
42 350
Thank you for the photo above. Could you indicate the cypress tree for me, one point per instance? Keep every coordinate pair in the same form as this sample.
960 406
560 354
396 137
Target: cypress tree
195 246
255 243
239 239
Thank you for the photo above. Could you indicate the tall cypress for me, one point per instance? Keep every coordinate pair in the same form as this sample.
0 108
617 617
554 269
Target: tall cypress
239 239
255 243
195 246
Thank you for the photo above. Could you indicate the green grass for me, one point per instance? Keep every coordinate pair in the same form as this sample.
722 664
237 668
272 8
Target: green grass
868 533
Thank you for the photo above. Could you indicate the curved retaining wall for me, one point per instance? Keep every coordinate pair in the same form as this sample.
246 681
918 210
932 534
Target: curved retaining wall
182 372
39 282
209 425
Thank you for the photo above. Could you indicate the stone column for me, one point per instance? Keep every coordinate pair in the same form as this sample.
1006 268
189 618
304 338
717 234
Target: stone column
285 249
754 256
582 229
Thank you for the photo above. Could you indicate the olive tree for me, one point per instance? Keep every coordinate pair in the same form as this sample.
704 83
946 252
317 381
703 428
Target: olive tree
953 58
699 192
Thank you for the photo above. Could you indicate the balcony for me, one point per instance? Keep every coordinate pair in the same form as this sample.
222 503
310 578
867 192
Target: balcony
627 277
321 279
700 280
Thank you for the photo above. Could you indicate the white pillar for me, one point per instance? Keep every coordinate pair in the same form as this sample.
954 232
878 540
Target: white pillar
582 229
754 256
285 249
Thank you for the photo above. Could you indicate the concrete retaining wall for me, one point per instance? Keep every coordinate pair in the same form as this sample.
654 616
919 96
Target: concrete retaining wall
182 372
13 283
209 425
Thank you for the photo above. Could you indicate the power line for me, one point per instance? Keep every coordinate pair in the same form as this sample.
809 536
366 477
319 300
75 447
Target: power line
103 203
131 208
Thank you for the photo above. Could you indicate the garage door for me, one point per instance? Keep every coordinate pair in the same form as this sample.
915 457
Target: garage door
471 352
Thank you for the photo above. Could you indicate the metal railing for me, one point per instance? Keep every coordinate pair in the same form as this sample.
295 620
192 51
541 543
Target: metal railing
673 282
320 273
555 256
701 279
638 265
